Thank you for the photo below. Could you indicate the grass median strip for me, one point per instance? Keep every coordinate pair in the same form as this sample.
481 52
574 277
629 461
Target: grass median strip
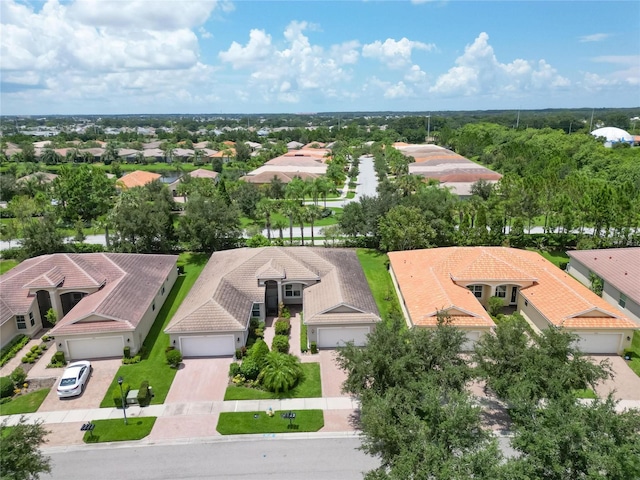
115 430
309 387
27 403
243 423
375 266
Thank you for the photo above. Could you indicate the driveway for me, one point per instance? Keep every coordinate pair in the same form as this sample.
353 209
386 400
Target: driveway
101 378
625 383
331 375
200 380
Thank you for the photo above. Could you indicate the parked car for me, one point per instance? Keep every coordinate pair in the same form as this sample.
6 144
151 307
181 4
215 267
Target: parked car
74 379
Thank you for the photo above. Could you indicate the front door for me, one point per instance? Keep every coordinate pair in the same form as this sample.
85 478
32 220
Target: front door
271 297
514 295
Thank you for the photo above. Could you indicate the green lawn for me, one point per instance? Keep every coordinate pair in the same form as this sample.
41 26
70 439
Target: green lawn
115 430
374 264
557 257
310 387
27 403
351 194
634 363
276 216
242 423
154 367
6 265
585 393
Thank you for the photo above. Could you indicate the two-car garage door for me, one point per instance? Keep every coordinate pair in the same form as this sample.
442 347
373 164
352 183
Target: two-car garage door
331 337
600 342
207 346
98 347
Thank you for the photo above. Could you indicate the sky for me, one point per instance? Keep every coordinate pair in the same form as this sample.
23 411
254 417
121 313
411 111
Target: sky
302 56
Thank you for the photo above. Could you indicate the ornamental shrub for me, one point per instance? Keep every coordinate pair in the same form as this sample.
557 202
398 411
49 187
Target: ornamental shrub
34 349
6 387
58 358
118 395
126 352
18 376
250 368
282 327
12 348
280 344
234 369
258 351
174 357
314 347
144 395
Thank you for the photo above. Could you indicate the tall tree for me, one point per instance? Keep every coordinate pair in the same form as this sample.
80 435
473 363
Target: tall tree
20 455
84 192
41 236
404 228
209 225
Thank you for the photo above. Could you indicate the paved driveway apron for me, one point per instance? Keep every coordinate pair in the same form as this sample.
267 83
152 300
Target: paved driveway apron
200 380
625 382
101 378
331 375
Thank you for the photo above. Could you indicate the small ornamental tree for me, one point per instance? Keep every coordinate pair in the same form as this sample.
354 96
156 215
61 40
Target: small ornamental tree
280 344
259 351
281 372
52 318
18 376
20 455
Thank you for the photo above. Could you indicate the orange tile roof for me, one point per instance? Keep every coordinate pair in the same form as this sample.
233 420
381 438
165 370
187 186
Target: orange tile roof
137 178
427 280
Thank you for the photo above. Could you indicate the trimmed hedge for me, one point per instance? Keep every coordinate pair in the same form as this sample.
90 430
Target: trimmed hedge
280 344
12 348
6 387
118 395
250 368
144 395
282 327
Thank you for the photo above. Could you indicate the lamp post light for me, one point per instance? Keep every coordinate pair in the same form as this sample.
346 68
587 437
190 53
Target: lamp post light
124 401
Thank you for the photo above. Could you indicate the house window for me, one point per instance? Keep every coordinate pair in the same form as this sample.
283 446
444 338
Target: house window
255 310
22 325
476 289
292 290
623 300
31 319
501 291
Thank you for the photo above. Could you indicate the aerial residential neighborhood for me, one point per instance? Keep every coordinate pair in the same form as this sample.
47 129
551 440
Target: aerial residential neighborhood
382 240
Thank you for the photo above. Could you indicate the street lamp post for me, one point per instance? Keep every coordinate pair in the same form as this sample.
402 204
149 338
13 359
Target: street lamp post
124 400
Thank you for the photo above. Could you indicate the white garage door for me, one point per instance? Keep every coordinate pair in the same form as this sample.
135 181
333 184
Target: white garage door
470 342
338 336
98 347
600 342
207 346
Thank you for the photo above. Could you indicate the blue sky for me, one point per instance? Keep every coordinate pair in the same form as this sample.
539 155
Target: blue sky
209 56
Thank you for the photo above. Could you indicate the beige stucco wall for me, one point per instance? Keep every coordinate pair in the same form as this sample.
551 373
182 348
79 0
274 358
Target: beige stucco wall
9 329
578 271
403 305
631 308
292 300
533 315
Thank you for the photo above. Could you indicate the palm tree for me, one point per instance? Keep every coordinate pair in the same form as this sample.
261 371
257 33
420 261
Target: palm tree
50 156
281 372
289 209
296 190
312 214
263 209
280 224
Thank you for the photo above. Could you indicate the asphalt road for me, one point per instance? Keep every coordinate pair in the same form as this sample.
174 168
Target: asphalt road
277 458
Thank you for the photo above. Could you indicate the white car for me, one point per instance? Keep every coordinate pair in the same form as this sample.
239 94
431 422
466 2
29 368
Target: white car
74 379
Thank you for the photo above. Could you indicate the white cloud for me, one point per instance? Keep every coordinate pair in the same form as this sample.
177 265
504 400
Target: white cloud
204 33
283 72
399 90
257 50
478 72
394 53
415 75
596 37
628 73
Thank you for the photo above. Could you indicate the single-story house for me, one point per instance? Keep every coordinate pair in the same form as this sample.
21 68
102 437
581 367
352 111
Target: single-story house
137 178
619 270
460 280
103 301
199 173
237 285
40 177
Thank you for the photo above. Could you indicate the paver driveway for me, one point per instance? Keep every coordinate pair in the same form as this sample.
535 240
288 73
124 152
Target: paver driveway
200 380
101 378
625 382
331 375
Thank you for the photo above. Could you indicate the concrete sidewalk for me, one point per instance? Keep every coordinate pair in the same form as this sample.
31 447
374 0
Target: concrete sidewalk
187 409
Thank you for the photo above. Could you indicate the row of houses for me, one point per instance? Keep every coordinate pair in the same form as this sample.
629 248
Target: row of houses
105 301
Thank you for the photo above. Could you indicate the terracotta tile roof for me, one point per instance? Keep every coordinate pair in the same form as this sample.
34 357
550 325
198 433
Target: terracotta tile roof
202 173
137 178
427 282
285 177
619 267
222 297
52 278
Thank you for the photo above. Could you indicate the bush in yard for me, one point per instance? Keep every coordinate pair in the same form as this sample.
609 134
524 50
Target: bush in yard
25 359
12 348
58 359
126 352
250 368
18 376
282 327
174 357
144 395
314 347
281 372
117 395
259 350
6 387
495 306
234 369
280 344
35 349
